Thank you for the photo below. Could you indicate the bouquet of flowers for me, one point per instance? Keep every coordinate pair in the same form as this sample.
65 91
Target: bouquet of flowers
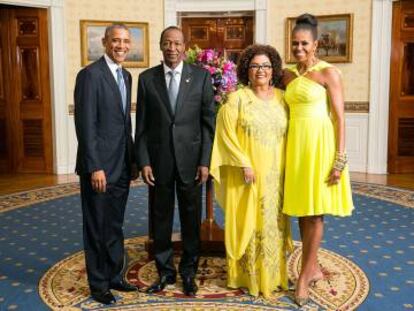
223 72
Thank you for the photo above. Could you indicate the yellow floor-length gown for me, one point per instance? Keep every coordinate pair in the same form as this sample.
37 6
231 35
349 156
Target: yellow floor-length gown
251 133
310 154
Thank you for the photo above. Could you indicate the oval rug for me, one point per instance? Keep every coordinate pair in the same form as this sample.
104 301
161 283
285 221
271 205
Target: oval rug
64 286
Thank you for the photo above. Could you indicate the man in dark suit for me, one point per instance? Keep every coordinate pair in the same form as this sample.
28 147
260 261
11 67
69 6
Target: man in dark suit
104 162
174 133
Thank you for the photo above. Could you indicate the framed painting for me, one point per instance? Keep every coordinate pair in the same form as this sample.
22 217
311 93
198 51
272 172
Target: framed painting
92 49
334 38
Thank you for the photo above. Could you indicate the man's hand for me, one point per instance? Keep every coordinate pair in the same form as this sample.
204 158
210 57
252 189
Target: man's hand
98 181
146 173
202 174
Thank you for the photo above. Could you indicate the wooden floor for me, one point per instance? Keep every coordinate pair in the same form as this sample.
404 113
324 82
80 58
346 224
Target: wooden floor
10 183
22 182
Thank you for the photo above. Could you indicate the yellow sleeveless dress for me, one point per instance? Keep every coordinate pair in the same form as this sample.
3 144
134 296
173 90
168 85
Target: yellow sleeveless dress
311 147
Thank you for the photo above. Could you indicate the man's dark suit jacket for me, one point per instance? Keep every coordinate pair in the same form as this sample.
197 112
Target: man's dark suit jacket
103 130
185 137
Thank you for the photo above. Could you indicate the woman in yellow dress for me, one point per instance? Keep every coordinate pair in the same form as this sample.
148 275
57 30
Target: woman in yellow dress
247 165
317 178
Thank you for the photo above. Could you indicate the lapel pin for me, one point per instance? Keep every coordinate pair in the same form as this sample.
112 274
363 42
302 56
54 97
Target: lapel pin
187 80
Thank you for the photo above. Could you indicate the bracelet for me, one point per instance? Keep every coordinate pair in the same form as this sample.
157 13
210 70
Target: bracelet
340 162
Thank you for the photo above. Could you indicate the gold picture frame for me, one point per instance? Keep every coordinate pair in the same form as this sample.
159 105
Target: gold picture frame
334 36
92 33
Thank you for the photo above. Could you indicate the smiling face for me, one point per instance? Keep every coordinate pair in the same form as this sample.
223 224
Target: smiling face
260 70
303 45
172 47
117 44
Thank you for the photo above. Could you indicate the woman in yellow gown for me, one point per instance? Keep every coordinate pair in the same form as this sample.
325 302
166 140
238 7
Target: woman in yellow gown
248 169
317 178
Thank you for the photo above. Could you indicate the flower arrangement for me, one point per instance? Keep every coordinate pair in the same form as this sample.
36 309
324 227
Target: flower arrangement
223 72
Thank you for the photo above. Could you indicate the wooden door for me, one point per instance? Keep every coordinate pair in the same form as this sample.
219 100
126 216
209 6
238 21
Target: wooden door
401 129
229 35
25 110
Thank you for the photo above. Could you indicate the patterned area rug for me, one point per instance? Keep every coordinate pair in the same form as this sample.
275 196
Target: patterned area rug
21 199
344 288
367 259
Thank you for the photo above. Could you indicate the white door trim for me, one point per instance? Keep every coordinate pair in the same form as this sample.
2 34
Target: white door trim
379 86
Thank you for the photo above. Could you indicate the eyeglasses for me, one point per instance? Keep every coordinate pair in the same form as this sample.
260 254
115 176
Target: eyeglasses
262 66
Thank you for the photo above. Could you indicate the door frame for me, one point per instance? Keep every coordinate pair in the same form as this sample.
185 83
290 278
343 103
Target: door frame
381 38
173 7
57 73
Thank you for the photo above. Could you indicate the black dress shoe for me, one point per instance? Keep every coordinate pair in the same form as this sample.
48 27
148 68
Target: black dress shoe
189 286
123 286
161 284
105 297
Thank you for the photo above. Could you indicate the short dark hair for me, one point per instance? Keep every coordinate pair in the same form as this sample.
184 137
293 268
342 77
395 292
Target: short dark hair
108 30
170 28
307 22
259 49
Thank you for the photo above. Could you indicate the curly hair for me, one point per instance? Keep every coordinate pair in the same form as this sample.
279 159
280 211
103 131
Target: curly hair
259 49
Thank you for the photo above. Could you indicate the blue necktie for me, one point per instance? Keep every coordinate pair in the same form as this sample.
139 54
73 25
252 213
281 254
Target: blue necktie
172 90
121 85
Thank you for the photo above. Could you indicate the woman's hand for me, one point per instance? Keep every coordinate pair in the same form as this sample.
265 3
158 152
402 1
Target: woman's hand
249 177
334 177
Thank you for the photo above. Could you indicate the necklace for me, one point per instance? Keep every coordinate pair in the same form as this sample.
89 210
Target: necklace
305 68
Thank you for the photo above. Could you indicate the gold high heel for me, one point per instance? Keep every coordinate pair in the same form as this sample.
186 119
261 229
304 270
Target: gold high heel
301 301
316 279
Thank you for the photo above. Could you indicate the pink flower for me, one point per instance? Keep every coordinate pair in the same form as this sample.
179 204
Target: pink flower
212 70
228 66
209 55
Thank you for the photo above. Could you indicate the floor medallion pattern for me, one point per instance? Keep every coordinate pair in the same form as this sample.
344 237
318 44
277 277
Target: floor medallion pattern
64 286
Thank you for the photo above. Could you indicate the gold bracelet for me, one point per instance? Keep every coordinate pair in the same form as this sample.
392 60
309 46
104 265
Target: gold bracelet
340 162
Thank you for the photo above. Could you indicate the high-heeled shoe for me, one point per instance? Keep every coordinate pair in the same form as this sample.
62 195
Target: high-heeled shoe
316 279
301 301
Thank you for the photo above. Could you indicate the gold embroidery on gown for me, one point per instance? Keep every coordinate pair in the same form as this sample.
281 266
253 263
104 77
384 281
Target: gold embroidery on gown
251 133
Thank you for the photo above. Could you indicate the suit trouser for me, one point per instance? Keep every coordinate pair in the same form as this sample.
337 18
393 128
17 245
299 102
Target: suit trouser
162 216
103 217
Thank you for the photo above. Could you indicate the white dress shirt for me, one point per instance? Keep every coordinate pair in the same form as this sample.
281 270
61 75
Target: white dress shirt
177 76
112 66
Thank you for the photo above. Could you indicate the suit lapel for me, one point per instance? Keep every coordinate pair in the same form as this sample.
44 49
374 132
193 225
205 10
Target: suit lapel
107 74
186 80
161 87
